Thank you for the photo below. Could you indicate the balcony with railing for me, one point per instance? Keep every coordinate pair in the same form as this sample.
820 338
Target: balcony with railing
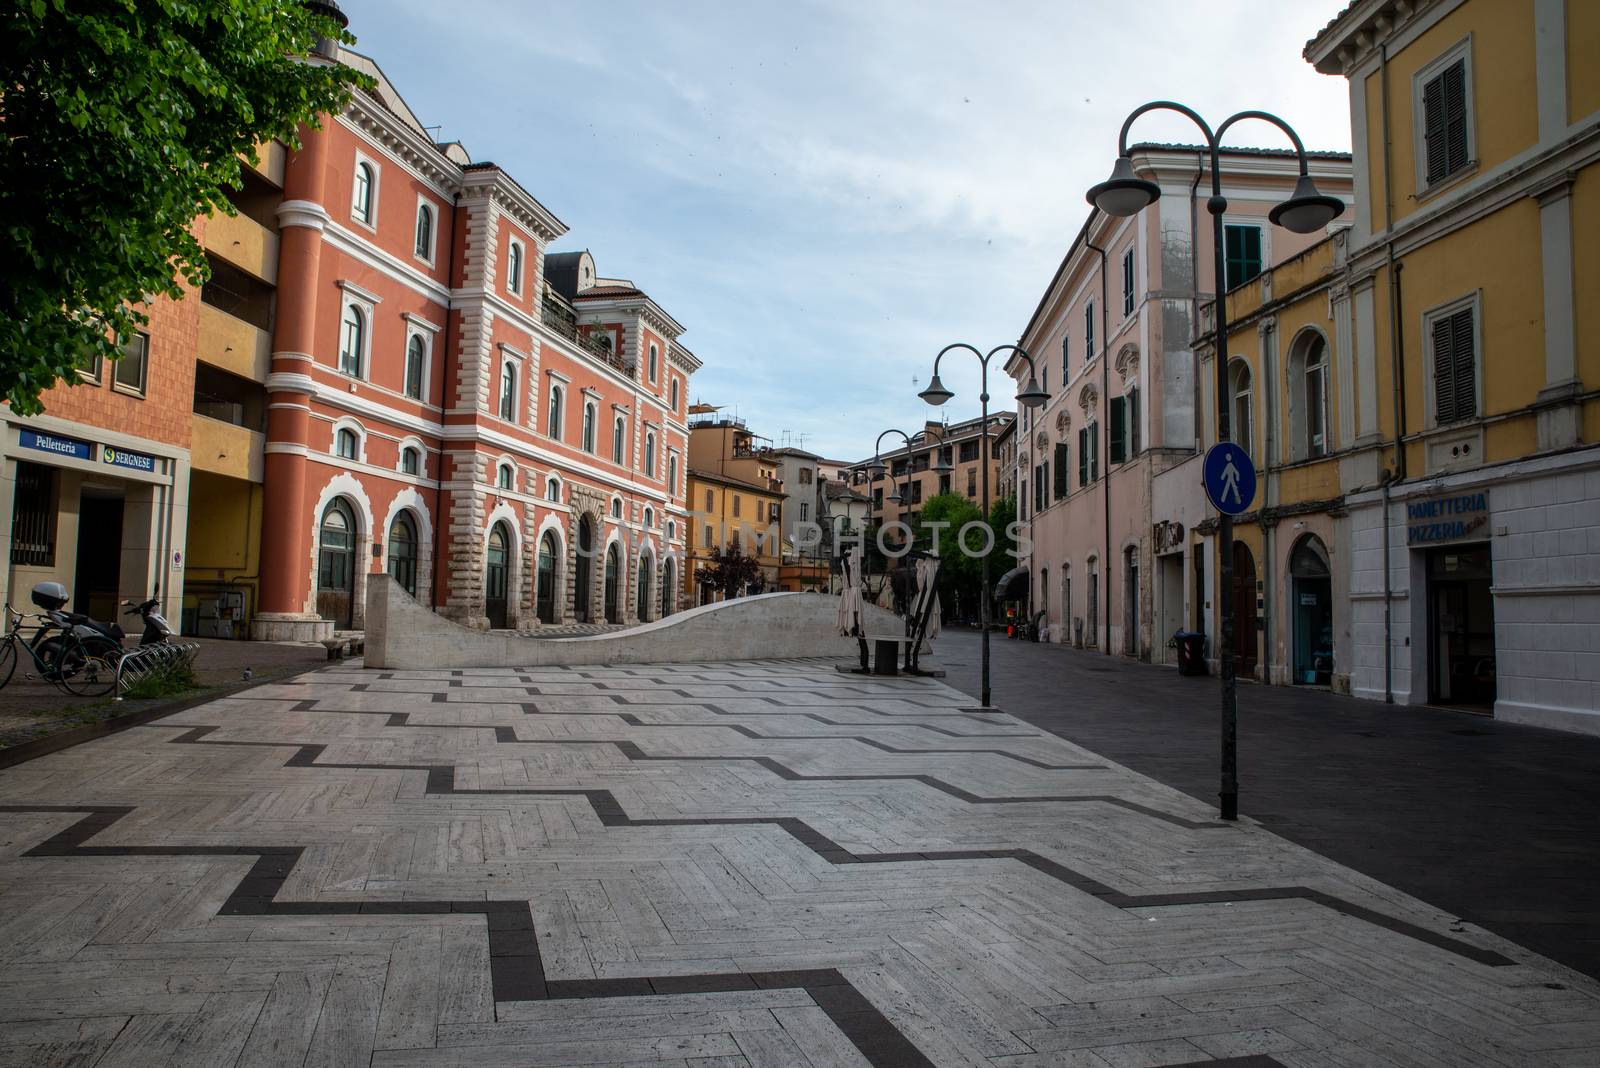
564 321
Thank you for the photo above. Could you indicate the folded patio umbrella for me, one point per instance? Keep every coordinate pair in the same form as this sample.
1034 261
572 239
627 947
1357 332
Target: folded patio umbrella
850 596
927 575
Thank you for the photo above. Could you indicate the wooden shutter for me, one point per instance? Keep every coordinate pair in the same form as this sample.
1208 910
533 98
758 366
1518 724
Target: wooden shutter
1119 425
1083 456
1061 470
1444 118
1455 394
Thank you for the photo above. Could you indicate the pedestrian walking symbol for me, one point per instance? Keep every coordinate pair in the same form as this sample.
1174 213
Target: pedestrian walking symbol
1230 478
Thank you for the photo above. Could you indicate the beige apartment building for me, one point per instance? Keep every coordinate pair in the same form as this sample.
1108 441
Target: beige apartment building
912 469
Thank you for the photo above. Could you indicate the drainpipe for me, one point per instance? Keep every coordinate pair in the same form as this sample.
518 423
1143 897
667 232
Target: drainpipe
1105 431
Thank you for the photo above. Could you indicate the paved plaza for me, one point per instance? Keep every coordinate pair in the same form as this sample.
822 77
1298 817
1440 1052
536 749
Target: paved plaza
762 863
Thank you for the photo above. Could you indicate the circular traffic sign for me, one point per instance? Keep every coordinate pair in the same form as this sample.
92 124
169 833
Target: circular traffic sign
1230 478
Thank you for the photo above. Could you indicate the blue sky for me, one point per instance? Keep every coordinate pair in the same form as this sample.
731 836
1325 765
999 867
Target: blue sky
826 193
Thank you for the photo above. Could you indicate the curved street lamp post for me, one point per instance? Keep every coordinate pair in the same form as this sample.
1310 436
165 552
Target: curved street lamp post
877 469
1306 211
1031 396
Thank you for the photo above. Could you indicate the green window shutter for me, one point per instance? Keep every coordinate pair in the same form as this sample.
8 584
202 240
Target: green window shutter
1133 423
1118 429
1061 470
1242 246
1094 447
1083 456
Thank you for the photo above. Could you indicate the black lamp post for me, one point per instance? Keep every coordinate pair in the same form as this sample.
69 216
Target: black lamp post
1031 396
876 469
1306 211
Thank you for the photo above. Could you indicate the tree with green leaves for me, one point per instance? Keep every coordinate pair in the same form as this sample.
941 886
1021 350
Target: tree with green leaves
121 121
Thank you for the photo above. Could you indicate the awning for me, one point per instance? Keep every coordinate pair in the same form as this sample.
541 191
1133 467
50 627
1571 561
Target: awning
1013 585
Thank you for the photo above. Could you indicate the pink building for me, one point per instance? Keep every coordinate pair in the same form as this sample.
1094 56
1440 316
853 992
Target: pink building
496 425
1112 338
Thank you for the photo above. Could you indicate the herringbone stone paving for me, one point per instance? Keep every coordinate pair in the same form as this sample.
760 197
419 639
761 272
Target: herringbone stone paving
762 863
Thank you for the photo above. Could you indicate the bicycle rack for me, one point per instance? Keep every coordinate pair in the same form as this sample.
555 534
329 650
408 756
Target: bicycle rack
138 663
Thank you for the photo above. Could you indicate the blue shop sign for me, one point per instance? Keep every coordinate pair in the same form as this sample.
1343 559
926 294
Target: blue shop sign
55 443
136 461
1444 519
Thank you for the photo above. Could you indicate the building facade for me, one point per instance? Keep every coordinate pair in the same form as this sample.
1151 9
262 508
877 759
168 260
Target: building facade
910 470
1112 339
1475 517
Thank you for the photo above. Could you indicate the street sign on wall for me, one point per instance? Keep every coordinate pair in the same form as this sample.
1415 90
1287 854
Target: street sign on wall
1230 478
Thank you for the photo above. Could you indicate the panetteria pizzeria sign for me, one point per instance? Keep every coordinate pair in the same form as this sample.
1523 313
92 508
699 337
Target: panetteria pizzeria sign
1444 519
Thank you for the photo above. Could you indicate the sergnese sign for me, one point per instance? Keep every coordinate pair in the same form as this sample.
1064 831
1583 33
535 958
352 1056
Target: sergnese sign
1438 520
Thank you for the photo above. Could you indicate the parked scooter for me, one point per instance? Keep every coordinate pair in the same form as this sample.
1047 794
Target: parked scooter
97 638
157 631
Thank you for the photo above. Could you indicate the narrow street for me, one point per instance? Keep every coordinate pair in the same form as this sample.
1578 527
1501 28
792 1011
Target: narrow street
1492 821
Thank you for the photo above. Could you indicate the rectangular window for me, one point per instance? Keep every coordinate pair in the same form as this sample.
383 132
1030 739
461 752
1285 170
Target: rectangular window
1127 281
1088 454
33 522
1119 430
709 506
1447 148
969 451
1038 487
972 482
1242 244
736 504
1455 371
129 374
1134 444
1061 462
710 538
1088 331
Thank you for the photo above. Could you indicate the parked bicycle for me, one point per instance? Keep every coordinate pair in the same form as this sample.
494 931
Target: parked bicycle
69 650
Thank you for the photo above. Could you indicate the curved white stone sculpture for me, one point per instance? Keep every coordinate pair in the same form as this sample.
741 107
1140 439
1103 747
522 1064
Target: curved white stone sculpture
400 633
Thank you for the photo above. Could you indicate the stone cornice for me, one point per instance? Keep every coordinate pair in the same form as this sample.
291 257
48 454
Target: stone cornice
503 190
380 125
1356 32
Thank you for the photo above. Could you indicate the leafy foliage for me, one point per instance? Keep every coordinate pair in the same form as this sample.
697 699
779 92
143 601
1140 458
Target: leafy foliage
731 571
120 122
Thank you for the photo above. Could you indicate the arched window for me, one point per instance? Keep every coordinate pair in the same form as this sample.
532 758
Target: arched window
504 477
1308 397
411 460
617 434
649 518
416 355
672 530
425 231
346 444
674 392
616 507
672 473
552 489
1241 410
508 391
545 591
650 454
1066 357
552 424
514 268
645 593
403 552
361 198
352 341
655 360
589 417
336 563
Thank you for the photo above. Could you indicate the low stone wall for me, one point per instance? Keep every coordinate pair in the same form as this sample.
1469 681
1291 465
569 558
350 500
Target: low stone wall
400 633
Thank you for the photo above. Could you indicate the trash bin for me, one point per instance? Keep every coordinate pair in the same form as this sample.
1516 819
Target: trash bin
1191 652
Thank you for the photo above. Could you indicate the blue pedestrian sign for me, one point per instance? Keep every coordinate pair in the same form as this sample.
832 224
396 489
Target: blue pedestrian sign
1230 478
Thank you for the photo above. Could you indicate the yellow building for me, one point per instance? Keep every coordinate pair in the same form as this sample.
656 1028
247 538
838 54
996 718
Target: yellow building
1290 570
724 511
1464 408
734 496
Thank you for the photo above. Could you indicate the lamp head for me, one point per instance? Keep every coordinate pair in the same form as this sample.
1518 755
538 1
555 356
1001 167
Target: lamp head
876 470
1124 193
936 393
1306 211
894 494
940 464
1032 396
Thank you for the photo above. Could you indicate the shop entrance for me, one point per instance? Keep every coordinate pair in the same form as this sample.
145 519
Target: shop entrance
1311 607
1170 568
1244 610
98 569
1461 660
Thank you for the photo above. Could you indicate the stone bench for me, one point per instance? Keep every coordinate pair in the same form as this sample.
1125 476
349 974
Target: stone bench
886 651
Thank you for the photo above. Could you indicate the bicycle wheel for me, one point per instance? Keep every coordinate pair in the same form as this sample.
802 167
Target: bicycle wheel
88 669
8 661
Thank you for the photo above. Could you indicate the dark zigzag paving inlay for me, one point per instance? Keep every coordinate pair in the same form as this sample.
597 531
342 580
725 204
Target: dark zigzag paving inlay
516 967
441 780
508 735
437 774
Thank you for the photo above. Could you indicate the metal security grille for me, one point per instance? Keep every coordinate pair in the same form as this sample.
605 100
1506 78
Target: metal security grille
1455 393
33 526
